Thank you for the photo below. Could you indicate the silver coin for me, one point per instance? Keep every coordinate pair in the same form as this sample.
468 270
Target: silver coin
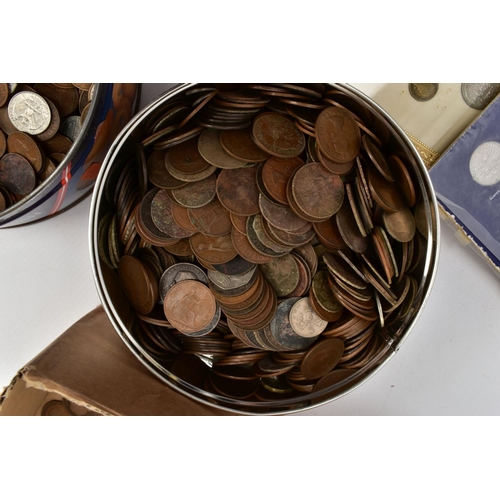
71 127
29 112
484 164
229 282
180 272
423 91
304 321
479 95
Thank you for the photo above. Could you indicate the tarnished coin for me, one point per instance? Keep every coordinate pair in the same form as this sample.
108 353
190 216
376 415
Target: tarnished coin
240 145
25 145
4 93
479 95
195 194
230 282
282 274
29 112
189 306
180 272
321 358
400 225
213 249
277 135
65 99
246 250
281 216
158 173
212 219
17 174
55 122
282 330
3 143
386 194
211 150
161 214
337 135
305 322
423 91
317 192
378 158
237 191
276 173
186 158
403 179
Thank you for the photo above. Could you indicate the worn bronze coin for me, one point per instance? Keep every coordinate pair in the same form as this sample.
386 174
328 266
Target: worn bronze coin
400 225
281 216
403 179
337 135
195 194
26 146
277 135
210 149
386 194
239 222
321 358
316 191
212 219
213 249
349 230
378 158
161 214
3 143
189 306
181 217
158 174
237 191
240 145
246 250
65 99
276 173
17 174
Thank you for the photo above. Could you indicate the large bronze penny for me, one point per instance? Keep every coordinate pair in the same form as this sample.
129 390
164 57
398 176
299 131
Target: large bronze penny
378 158
238 192
213 249
276 173
282 274
17 174
277 135
3 143
195 194
321 358
158 173
212 219
23 144
240 145
387 194
400 225
349 230
186 158
317 192
210 148
189 306
246 250
337 135
281 216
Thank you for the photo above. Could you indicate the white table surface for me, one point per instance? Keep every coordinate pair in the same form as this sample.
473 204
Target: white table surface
447 366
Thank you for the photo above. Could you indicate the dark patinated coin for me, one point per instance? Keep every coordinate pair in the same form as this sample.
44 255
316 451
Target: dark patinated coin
17 174
161 214
195 194
423 91
277 134
237 191
240 145
276 173
282 274
337 135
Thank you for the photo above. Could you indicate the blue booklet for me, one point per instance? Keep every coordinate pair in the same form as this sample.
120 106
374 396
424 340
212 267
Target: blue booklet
466 179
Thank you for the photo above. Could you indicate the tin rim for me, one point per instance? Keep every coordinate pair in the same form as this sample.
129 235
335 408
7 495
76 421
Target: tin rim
306 401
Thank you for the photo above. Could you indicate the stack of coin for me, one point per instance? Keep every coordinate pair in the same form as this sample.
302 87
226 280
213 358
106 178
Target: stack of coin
285 232
38 125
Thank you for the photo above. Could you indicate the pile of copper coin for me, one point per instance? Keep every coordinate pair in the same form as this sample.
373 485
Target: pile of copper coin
38 125
267 238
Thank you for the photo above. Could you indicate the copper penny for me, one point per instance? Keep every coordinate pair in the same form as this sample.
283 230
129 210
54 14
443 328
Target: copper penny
55 122
158 174
4 93
189 306
287 238
240 145
181 217
239 222
3 143
334 167
316 191
385 193
65 99
23 144
246 250
211 150
138 285
212 219
186 158
400 225
17 174
276 173
328 234
195 194
337 135
349 230
378 158
57 144
281 216
277 134
237 191
403 179
339 268
321 358
213 249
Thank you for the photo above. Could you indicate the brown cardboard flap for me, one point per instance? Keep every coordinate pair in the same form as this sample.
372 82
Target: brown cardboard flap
90 364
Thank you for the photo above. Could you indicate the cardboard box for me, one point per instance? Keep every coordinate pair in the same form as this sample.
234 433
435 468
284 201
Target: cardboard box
90 367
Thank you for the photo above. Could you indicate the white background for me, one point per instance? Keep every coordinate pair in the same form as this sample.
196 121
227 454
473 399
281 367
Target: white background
447 366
